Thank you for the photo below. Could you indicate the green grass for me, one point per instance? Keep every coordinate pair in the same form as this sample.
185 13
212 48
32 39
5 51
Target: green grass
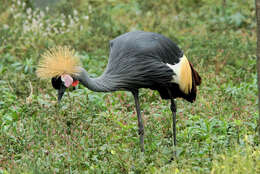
97 132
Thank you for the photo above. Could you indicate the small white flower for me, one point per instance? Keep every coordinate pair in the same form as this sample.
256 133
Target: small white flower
11 10
29 16
28 11
48 29
34 21
75 12
41 14
5 26
80 27
17 15
26 29
86 17
90 8
176 17
72 23
56 30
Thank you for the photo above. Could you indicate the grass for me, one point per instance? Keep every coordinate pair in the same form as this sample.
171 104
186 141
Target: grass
97 132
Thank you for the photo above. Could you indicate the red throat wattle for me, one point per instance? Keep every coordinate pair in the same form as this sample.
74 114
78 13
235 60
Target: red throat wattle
75 83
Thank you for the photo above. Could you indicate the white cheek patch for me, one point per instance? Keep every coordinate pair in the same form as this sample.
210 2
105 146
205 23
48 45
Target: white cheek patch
67 79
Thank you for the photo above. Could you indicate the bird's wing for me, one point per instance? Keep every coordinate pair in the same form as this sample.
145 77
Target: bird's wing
139 59
138 43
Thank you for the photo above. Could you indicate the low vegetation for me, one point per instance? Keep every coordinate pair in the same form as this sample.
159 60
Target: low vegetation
97 132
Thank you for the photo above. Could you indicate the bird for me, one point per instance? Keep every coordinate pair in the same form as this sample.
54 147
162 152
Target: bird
137 59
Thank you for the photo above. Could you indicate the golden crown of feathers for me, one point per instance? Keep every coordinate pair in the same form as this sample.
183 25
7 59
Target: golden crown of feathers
58 61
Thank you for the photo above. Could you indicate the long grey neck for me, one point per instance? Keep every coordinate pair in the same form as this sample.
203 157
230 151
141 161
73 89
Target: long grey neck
99 84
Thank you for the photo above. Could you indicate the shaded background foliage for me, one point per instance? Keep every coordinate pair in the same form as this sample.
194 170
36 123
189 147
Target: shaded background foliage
97 132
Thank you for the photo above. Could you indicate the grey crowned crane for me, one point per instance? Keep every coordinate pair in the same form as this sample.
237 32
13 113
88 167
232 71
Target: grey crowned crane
137 60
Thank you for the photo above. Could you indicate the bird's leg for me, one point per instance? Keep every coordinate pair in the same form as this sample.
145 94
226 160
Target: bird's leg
173 109
140 120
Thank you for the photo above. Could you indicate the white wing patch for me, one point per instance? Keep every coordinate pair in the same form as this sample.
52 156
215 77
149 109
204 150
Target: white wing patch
176 69
183 74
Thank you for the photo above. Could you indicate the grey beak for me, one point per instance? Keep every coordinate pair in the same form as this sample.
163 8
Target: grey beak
61 91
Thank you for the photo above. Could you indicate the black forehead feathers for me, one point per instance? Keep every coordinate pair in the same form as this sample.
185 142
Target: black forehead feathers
56 82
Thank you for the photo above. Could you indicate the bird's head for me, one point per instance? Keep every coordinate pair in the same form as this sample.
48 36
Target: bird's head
62 66
61 83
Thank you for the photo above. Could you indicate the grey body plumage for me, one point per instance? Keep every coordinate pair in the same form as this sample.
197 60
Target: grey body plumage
140 60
